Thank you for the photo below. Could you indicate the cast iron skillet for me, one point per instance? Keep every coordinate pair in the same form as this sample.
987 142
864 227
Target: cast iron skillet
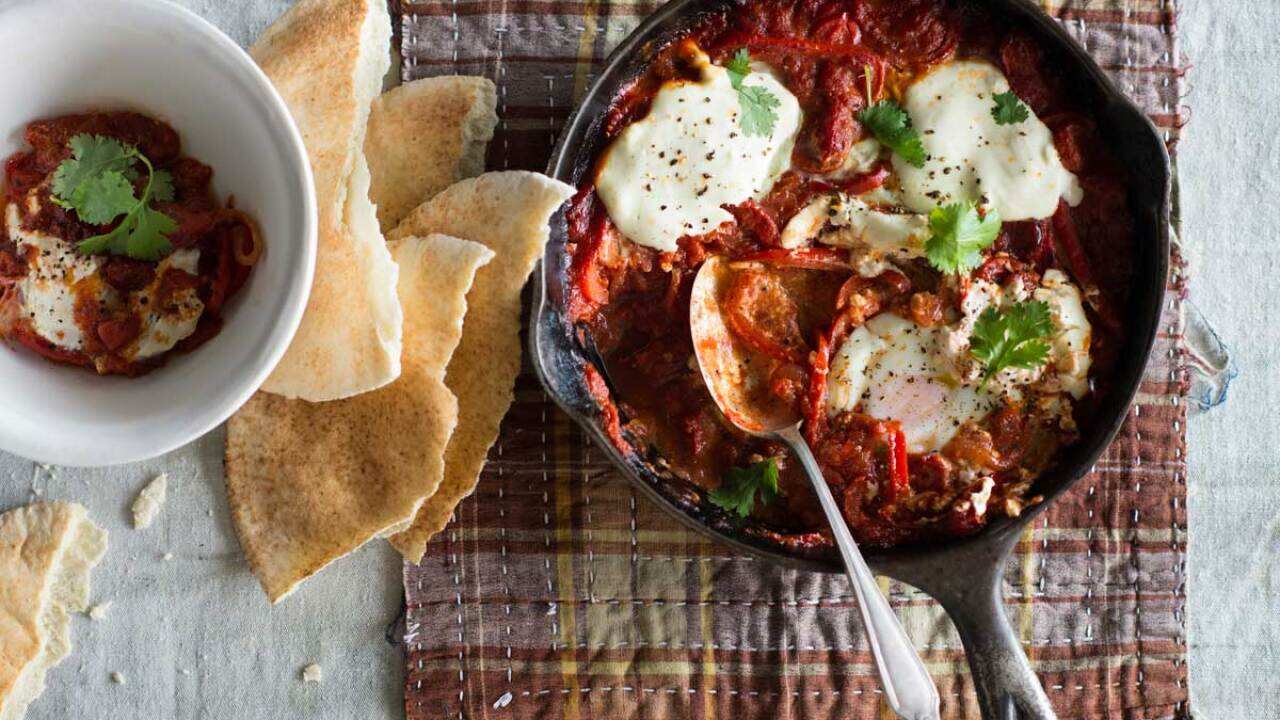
965 576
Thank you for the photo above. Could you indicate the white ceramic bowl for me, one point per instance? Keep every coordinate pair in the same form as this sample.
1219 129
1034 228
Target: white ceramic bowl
65 56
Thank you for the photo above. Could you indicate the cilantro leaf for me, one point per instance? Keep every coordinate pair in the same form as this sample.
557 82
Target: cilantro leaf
960 235
91 157
162 186
1015 337
757 106
113 242
738 67
97 182
892 127
758 110
147 239
738 492
1008 109
101 198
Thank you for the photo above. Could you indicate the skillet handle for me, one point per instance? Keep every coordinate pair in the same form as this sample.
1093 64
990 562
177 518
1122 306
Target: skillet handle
1007 688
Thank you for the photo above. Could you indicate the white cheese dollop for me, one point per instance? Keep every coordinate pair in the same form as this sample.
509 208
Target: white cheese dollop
667 174
164 325
1072 332
1015 167
49 289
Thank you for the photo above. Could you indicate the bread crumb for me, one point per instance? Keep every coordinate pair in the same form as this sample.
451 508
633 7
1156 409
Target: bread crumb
149 501
312 673
99 611
118 678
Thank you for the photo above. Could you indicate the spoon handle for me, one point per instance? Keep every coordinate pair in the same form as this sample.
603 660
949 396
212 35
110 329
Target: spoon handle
908 689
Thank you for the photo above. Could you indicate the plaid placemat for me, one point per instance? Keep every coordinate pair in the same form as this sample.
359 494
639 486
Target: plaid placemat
557 591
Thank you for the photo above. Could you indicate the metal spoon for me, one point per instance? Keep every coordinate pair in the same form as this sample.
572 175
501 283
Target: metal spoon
743 400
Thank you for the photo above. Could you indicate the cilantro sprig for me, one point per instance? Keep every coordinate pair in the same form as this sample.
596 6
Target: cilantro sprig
1009 110
960 234
891 125
1014 337
758 106
97 183
738 492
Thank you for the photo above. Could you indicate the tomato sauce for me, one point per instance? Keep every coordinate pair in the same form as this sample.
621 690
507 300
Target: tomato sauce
108 328
796 306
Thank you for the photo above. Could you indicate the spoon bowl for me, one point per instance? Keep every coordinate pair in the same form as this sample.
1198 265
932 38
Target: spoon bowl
729 368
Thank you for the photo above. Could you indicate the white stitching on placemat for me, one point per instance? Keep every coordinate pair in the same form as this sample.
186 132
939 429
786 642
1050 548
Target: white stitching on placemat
1134 552
462 644
456 32
546 531
635 536
1090 538
506 579
586 495
501 74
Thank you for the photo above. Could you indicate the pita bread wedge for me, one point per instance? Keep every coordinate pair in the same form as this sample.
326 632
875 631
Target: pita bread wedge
327 59
46 553
424 136
509 213
311 482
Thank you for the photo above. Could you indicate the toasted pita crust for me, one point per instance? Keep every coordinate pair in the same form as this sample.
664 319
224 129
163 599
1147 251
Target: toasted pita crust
509 213
311 482
424 136
327 59
46 553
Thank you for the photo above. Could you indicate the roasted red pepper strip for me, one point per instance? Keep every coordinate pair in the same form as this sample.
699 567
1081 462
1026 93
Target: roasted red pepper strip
738 317
754 219
608 410
864 183
808 47
898 479
1077 261
812 258
589 289
815 404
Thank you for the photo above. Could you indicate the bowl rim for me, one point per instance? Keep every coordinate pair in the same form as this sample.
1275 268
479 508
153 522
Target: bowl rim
1152 280
194 29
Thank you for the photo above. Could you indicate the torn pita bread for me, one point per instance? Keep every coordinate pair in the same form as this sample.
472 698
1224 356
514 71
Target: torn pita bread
508 212
327 59
311 482
46 553
424 136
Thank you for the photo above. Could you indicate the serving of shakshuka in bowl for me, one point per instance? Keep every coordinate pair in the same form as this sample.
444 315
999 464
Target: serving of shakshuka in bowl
929 245
158 229
114 251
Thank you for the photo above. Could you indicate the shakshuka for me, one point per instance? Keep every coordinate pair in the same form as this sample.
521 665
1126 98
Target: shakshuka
930 242
114 252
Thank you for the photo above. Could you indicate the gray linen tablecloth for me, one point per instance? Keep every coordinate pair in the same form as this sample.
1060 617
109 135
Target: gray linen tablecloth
195 638
1230 164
